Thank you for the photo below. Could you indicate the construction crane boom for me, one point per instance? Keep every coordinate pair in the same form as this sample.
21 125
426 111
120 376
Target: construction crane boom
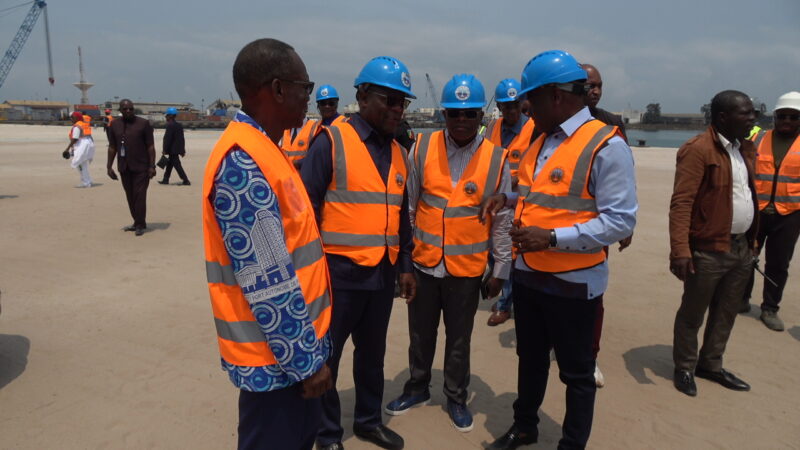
22 36
437 114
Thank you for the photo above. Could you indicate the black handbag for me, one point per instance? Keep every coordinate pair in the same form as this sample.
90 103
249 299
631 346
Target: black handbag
163 161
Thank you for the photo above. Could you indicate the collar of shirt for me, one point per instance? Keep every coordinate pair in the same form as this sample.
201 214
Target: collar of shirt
517 127
364 129
728 145
470 148
571 125
242 116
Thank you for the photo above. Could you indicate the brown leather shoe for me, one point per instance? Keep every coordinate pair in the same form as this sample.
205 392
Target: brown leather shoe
497 318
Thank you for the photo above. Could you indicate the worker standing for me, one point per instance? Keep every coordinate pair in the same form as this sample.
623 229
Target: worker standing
107 119
777 185
593 96
577 194
452 173
296 141
174 147
267 275
81 148
355 174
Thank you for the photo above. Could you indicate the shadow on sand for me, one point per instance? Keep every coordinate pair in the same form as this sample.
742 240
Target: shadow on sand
13 357
2 196
795 332
657 358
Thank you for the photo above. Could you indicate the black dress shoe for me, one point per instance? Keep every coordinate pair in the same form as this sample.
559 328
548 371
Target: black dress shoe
684 382
334 446
186 183
163 182
139 231
381 436
724 378
513 439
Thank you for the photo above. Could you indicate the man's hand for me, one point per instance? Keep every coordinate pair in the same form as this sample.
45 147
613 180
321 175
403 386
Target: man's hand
625 243
112 174
494 286
317 384
529 239
681 268
491 206
408 286
151 172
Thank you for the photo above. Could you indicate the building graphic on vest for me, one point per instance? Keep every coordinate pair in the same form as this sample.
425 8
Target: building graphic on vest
270 274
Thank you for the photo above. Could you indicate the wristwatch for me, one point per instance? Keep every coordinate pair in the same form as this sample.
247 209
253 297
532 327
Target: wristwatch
553 240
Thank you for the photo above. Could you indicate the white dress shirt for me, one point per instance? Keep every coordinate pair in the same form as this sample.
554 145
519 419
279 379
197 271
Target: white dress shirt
742 196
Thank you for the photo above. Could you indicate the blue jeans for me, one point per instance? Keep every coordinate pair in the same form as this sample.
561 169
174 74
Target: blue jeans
504 303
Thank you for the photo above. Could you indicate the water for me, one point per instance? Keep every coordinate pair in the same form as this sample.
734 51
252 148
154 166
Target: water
661 138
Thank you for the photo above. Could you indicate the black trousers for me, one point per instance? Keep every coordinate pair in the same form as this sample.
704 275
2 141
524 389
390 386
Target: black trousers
174 161
779 235
567 325
279 419
457 299
364 315
135 185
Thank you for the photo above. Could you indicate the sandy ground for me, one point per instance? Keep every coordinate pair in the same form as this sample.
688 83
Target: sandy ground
107 340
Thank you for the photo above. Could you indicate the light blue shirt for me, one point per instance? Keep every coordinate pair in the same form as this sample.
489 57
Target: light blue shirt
613 183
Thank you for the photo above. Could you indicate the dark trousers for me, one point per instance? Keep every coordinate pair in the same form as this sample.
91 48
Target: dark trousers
456 298
717 286
567 325
598 327
779 235
279 419
174 161
364 315
135 185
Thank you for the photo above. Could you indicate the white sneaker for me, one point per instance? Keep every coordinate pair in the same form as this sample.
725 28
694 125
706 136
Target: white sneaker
599 379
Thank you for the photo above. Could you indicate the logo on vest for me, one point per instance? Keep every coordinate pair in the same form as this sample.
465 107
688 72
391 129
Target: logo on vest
515 154
462 93
512 93
399 179
323 93
301 143
470 188
405 79
556 175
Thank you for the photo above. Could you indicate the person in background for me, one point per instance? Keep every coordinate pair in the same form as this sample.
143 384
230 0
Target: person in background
777 167
355 174
593 96
452 172
174 147
267 275
296 141
81 148
712 229
131 143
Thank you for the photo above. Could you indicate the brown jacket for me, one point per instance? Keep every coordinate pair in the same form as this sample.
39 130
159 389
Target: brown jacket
701 209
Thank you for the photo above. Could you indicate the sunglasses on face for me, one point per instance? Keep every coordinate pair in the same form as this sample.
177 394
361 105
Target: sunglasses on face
327 102
393 101
456 113
307 85
791 117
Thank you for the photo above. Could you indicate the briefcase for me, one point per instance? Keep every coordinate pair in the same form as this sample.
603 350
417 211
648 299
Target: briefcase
163 161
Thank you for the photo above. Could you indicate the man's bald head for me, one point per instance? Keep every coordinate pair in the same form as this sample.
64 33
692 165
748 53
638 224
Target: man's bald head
595 84
260 62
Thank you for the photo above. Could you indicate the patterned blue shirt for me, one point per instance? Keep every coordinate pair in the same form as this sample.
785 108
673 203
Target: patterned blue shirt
248 215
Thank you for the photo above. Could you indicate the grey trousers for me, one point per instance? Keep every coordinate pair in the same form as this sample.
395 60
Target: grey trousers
717 286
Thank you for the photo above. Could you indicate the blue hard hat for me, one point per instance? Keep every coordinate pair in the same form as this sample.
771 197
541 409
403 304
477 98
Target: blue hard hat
463 91
552 66
507 91
326 91
171 112
387 72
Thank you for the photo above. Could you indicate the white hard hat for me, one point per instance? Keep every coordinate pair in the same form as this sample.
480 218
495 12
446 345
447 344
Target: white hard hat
789 100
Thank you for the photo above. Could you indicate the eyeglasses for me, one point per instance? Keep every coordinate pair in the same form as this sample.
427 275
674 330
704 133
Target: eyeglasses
791 117
456 113
392 101
329 102
307 85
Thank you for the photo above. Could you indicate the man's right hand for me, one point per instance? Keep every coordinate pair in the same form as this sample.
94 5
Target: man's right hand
491 206
681 268
317 384
112 174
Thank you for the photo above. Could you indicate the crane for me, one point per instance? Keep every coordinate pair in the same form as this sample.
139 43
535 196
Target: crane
38 7
437 114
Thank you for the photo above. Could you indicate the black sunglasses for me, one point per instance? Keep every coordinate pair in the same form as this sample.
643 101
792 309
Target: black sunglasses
328 102
456 113
392 101
791 117
307 85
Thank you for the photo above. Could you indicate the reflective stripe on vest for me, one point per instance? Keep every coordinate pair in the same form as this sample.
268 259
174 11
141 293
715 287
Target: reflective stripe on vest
446 220
361 213
518 146
780 185
559 195
298 147
241 339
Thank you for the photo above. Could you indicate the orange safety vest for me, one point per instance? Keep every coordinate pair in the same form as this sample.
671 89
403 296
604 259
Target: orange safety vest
361 213
297 148
86 125
241 340
517 147
778 184
560 197
446 224
78 124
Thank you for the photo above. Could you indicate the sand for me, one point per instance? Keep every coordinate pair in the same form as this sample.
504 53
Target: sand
107 340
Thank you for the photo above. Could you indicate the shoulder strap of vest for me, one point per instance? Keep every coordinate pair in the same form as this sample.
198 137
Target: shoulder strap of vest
495 169
421 153
490 128
759 137
584 163
339 158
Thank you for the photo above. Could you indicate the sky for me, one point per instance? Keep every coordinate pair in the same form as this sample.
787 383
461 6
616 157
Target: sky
678 53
